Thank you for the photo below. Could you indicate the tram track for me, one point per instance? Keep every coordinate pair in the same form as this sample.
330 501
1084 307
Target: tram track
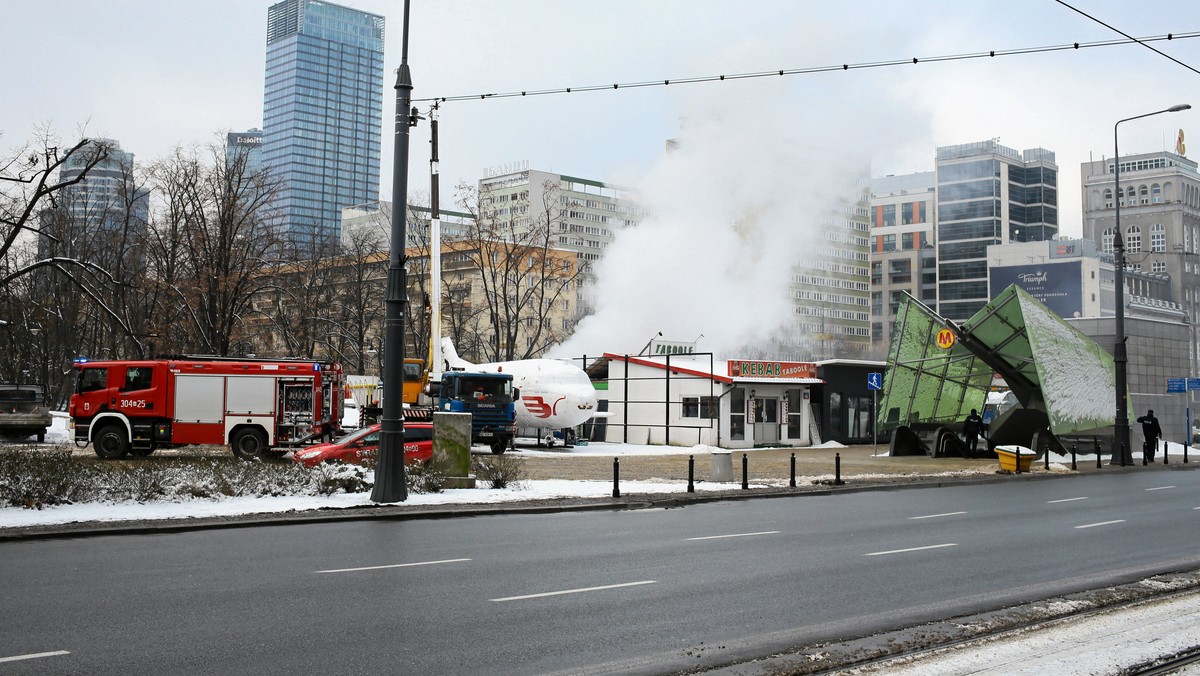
1167 665
910 647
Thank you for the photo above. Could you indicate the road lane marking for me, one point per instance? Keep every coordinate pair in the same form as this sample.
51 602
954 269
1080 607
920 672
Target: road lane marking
912 549
574 591
934 516
1054 502
736 535
1102 523
1160 488
34 656
394 565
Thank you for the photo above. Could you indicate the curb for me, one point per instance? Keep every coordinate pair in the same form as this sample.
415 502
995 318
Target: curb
401 513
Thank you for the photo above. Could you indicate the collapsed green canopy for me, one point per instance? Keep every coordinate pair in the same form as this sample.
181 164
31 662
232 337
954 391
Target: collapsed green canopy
1047 363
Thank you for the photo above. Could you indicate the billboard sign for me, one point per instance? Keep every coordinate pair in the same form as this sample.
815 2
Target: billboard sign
1058 286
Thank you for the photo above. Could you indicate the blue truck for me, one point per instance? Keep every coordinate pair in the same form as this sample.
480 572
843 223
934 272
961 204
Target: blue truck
489 398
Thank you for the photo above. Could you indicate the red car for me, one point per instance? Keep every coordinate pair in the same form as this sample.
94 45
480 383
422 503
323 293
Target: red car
363 443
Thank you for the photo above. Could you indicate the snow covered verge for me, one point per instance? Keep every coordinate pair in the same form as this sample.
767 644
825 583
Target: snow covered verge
217 487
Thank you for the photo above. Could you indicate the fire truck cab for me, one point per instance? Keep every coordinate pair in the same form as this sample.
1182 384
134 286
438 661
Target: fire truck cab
259 408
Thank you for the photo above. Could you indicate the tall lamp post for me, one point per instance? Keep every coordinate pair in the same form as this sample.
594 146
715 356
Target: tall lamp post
390 485
1122 453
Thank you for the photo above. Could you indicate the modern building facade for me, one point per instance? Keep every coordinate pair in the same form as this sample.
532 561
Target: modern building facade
107 201
247 143
322 112
987 194
583 215
903 259
830 289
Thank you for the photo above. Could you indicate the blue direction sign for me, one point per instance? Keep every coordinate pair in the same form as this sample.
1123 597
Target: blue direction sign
875 381
1193 383
1176 385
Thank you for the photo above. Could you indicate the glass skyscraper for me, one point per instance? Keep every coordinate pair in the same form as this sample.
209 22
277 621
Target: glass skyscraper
987 194
322 112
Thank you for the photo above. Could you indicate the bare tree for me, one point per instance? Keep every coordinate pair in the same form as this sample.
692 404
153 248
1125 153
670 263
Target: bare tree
67 259
359 306
301 292
219 212
526 282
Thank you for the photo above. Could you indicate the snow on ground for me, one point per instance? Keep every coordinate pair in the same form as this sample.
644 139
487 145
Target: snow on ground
1108 642
15 517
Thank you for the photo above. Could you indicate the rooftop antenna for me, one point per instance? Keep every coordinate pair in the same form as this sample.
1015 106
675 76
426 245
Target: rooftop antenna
658 335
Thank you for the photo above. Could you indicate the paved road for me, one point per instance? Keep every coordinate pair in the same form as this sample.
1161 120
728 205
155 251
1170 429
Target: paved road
641 590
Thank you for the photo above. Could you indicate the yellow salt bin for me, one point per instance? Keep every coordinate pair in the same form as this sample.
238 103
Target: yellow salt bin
1009 456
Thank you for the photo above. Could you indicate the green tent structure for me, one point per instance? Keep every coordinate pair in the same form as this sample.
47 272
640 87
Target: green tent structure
1065 382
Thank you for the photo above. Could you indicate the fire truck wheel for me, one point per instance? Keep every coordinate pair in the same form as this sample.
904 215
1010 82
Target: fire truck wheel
498 447
110 442
249 444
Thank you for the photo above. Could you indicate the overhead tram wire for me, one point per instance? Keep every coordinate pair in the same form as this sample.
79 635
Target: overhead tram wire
1118 30
822 69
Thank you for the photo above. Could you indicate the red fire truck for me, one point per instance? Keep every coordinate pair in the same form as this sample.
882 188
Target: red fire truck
260 408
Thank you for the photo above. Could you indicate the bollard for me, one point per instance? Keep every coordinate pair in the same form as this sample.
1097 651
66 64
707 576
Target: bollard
1165 447
745 472
1018 460
837 469
1145 459
691 474
1047 459
792 483
1074 467
1098 465
616 477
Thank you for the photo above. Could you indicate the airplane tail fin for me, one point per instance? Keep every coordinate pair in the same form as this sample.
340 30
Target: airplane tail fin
450 356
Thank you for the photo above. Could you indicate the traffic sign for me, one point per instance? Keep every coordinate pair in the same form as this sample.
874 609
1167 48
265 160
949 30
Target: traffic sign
1176 384
875 381
945 339
1193 383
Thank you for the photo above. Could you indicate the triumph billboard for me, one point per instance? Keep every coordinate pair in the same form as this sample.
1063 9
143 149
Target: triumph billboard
1058 286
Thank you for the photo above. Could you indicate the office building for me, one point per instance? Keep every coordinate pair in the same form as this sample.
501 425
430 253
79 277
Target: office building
108 200
903 259
583 215
248 143
987 194
1160 217
830 290
322 111
1160 221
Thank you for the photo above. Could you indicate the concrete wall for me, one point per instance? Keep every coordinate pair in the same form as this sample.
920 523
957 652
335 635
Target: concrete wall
1157 350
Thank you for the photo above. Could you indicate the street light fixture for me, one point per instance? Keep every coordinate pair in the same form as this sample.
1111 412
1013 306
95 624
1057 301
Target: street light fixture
1122 453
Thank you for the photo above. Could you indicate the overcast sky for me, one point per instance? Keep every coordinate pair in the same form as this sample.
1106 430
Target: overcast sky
154 74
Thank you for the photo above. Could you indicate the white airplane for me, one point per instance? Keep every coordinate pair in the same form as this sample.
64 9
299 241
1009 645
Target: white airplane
554 394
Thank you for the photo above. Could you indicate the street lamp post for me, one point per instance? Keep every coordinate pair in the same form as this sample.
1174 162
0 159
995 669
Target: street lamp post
390 484
1122 453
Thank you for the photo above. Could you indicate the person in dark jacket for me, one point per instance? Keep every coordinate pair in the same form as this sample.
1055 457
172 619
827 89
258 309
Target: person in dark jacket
1152 431
971 427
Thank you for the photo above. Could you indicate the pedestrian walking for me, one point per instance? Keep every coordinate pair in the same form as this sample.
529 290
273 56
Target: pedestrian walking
971 427
1152 431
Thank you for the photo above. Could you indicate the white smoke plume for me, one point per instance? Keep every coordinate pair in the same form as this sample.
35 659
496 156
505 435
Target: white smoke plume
729 215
